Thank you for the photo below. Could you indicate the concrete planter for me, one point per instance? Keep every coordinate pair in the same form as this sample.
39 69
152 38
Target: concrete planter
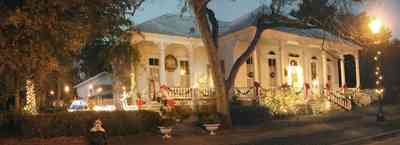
212 127
166 131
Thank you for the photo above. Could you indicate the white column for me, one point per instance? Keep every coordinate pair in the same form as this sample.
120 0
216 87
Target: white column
357 70
191 71
162 63
324 69
255 63
283 66
342 71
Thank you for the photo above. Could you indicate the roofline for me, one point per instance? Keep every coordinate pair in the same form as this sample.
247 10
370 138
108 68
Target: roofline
344 42
90 79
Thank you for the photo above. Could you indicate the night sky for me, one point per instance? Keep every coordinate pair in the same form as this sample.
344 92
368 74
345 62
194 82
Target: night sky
226 10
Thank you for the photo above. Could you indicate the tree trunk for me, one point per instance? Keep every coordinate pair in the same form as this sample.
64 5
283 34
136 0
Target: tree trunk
17 98
217 74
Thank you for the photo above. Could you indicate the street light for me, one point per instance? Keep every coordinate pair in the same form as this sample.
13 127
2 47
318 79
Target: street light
376 26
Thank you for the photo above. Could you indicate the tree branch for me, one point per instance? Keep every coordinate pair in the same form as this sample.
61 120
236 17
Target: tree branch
242 58
264 22
214 25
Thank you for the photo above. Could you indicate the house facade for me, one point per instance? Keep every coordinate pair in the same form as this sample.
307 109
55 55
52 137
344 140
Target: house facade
172 54
96 90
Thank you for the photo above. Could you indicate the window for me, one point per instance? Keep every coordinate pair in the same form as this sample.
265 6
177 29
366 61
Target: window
154 77
184 72
184 67
313 71
249 61
272 62
153 61
250 72
272 71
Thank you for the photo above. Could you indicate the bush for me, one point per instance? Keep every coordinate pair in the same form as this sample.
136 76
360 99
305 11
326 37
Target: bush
249 115
77 123
183 112
284 102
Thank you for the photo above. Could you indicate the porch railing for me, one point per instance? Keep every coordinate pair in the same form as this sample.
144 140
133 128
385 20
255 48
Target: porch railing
339 98
204 96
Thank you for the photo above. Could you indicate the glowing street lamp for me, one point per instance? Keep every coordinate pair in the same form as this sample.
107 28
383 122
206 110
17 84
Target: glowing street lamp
376 26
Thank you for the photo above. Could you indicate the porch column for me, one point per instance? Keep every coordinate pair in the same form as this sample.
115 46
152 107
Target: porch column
357 71
255 63
342 71
324 69
282 66
191 73
162 63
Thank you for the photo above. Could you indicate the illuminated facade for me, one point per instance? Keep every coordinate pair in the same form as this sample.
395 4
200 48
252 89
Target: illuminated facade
172 54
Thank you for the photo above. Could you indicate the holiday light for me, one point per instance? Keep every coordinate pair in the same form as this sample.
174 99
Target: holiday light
30 106
66 89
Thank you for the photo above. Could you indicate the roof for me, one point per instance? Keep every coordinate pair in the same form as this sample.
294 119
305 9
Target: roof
172 24
92 78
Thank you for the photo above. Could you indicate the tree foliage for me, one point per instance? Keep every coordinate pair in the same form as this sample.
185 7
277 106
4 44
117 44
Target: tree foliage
38 37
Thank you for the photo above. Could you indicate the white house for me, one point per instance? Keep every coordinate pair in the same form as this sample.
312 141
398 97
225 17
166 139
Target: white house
173 54
97 89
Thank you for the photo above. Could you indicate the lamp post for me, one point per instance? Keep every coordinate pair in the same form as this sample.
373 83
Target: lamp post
376 26
66 90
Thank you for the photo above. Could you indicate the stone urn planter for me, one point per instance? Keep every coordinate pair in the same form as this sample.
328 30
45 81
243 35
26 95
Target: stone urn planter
212 127
166 131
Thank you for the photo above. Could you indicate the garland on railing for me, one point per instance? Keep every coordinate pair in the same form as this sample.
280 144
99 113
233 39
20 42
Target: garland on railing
238 91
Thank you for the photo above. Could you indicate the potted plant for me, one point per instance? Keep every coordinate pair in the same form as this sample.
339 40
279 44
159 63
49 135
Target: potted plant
166 127
166 124
212 122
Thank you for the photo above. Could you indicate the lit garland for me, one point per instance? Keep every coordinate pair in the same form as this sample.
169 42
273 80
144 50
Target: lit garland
378 74
30 106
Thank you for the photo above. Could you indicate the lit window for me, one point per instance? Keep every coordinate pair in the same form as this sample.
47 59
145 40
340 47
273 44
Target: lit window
313 71
184 67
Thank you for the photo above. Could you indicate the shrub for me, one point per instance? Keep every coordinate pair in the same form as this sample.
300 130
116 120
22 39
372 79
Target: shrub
183 112
249 114
284 102
77 123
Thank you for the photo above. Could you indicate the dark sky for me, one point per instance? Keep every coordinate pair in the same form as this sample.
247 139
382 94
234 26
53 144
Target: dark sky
226 10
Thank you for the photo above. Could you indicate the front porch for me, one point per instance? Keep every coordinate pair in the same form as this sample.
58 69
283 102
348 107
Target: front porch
196 98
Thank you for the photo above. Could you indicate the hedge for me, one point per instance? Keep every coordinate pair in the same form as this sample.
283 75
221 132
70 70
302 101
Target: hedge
243 115
77 123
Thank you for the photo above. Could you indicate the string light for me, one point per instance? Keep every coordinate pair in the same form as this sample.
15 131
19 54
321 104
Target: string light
30 106
378 74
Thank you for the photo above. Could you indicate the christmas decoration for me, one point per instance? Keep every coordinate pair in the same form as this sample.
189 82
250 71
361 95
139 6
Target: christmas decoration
30 106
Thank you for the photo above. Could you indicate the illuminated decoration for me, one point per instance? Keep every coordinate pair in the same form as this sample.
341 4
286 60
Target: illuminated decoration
124 101
99 90
30 106
378 74
104 108
66 89
295 75
51 92
77 105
